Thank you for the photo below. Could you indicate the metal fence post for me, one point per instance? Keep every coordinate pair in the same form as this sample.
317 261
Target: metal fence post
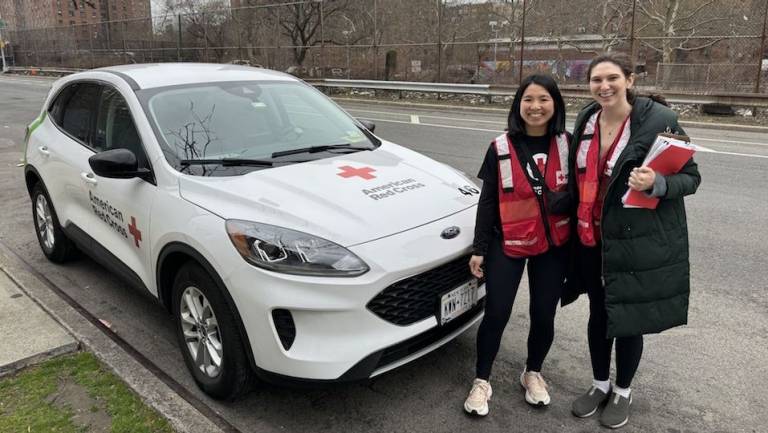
178 43
125 49
277 35
439 42
151 43
632 39
762 51
205 36
375 42
322 39
90 47
522 46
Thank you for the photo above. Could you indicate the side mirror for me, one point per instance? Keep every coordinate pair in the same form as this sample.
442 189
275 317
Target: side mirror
368 124
117 164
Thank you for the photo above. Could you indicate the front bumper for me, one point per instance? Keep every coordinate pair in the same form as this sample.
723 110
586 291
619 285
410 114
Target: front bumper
337 338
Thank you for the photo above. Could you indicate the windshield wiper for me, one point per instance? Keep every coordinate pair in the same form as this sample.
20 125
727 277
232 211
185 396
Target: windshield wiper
228 162
323 148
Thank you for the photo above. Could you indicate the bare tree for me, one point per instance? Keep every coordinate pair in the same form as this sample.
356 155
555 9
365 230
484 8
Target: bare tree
679 22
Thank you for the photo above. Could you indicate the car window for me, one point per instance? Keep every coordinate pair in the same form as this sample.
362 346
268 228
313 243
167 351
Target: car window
79 111
57 105
115 128
247 120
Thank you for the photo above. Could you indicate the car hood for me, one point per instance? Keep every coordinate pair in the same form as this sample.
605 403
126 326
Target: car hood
348 199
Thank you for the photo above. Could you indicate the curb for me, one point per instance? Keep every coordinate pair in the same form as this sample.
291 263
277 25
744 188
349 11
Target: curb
181 415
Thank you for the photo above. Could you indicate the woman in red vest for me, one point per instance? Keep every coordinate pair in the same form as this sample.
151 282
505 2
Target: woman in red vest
633 262
522 217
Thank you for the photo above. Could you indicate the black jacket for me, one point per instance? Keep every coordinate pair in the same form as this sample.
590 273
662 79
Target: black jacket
644 252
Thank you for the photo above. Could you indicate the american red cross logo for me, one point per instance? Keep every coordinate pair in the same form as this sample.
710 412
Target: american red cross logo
560 177
364 172
135 232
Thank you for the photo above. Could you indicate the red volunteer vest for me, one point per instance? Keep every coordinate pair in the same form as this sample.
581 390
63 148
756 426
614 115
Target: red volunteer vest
522 223
588 176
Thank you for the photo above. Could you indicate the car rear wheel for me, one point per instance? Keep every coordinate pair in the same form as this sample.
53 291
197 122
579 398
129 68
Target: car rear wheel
208 335
54 243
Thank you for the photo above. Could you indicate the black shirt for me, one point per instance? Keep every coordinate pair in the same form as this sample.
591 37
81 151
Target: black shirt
488 221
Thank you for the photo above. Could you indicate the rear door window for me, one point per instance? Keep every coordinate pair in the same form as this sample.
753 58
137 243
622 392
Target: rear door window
79 112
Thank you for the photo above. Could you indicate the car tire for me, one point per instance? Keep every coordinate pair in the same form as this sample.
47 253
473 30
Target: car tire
56 246
208 335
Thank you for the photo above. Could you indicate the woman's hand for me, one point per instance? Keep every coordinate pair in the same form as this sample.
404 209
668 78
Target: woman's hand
642 178
475 266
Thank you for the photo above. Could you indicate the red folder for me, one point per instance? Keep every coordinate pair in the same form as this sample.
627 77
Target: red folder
667 156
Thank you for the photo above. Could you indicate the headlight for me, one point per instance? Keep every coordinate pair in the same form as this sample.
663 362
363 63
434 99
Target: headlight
292 252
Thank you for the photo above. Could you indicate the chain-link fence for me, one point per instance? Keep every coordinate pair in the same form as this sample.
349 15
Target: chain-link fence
687 45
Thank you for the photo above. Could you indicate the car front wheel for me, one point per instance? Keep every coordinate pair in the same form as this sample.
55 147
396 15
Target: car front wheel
208 335
54 243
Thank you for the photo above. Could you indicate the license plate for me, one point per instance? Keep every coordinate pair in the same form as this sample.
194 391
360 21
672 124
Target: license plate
460 300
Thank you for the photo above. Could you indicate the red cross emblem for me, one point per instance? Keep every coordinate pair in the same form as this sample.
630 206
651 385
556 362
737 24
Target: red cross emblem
135 232
560 177
364 172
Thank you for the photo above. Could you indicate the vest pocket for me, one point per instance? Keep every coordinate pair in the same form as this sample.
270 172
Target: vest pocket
523 238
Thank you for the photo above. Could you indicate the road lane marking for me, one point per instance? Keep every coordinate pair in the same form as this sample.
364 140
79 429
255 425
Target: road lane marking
415 119
718 140
703 149
494 122
435 125
392 113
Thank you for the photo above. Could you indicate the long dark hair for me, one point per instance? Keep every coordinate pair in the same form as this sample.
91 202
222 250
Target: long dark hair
556 125
627 68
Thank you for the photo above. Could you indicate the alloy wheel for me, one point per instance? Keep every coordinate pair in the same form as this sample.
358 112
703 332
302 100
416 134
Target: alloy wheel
201 332
44 222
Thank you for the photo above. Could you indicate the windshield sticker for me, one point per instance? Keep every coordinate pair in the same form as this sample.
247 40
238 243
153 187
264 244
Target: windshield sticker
392 189
364 172
354 136
108 213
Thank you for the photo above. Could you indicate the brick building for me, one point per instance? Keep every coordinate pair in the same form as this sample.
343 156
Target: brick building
34 14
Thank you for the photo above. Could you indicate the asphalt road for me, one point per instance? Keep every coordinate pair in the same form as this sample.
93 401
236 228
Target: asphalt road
709 376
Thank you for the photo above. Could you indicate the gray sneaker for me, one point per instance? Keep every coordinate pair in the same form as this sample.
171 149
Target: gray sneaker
587 404
616 411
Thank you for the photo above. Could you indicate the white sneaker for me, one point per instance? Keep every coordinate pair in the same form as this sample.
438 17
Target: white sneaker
535 388
479 395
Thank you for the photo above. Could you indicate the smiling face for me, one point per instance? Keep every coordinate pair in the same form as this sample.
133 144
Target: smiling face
536 109
608 84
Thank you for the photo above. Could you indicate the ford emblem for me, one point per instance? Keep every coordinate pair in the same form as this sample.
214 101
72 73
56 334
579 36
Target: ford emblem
450 232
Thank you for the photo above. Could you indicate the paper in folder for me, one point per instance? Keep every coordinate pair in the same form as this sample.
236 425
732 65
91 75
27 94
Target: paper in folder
667 155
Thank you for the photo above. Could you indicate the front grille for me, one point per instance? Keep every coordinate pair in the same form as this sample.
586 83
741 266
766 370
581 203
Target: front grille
416 298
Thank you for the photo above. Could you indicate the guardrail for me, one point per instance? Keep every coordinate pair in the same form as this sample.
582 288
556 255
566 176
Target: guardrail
568 91
489 91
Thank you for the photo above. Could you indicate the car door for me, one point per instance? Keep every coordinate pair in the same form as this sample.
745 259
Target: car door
120 209
63 150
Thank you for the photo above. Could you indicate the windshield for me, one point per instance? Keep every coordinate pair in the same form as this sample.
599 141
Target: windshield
248 120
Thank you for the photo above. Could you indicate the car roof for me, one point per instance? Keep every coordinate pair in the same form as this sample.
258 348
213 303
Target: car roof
146 76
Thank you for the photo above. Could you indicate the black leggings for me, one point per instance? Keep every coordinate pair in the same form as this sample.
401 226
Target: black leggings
629 350
503 274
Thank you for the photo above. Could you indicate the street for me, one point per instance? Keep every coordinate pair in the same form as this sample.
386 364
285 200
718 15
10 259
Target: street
708 376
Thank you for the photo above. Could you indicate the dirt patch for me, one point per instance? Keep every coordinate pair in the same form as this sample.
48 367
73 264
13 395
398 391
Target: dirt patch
87 412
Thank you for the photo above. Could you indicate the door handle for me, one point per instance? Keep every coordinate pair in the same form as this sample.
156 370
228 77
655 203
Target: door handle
89 178
44 150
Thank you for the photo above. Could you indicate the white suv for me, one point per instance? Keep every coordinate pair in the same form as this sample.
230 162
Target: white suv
287 240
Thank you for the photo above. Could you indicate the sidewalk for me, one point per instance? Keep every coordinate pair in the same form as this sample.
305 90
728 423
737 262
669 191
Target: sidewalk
30 335
37 324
